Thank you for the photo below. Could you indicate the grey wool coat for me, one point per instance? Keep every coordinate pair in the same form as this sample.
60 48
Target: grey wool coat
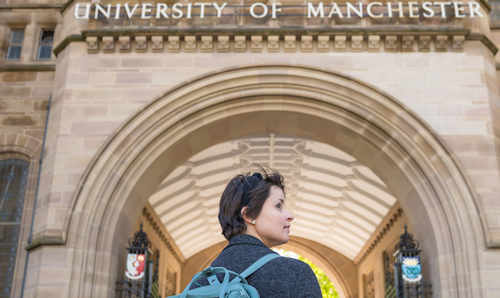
279 278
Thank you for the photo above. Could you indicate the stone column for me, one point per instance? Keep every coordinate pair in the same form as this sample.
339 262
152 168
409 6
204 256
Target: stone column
30 42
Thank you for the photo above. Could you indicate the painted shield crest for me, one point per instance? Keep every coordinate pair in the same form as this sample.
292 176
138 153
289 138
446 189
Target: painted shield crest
412 271
135 266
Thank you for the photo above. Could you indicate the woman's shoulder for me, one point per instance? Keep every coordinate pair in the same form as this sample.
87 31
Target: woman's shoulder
294 266
291 261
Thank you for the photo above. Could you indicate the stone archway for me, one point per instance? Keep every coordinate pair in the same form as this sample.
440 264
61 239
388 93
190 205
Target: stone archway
309 103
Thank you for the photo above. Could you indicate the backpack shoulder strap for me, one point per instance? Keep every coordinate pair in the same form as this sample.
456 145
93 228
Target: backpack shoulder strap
259 263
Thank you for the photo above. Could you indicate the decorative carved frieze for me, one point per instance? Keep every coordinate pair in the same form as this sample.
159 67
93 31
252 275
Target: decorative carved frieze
386 227
441 42
223 43
240 43
290 44
357 42
424 43
374 42
276 43
108 44
159 230
306 43
407 42
173 44
340 42
157 43
206 43
273 43
458 42
92 44
391 42
190 43
323 43
124 43
141 44
256 43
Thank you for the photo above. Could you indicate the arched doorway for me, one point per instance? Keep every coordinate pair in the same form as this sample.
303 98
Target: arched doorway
313 104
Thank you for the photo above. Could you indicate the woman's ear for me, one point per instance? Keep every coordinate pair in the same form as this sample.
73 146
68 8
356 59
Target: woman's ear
247 219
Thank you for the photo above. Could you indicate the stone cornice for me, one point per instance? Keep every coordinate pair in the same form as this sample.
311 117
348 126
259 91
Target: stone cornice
393 38
69 2
391 218
152 219
484 40
30 6
46 238
27 67
298 30
66 41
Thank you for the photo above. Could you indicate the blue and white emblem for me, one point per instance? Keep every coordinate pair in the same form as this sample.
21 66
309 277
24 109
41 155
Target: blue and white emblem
412 271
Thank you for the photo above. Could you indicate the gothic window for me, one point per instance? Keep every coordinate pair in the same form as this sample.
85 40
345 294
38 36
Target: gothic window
388 259
45 44
15 44
13 176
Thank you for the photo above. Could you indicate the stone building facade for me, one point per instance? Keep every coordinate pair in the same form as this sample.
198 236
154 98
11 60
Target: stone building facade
109 122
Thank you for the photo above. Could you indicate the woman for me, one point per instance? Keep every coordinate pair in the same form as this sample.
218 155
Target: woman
253 218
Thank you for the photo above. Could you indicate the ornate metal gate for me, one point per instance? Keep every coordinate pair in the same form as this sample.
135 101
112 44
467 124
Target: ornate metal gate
407 281
141 276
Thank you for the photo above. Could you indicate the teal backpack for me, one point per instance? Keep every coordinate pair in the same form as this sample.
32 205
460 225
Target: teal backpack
236 288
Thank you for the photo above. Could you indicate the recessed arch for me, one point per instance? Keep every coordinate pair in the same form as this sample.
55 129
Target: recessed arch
21 144
309 103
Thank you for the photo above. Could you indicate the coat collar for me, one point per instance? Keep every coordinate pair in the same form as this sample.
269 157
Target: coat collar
245 239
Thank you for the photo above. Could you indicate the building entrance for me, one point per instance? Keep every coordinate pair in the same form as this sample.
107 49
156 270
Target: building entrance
350 141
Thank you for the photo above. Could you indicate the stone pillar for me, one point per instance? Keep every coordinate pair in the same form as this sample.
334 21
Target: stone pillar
30 42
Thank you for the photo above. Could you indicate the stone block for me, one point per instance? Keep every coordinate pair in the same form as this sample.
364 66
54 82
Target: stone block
40 105
222 44
206 44
18 121
15 91
256 43
290 43
340 42
441 42
240 43
373 42
157 43
324 43
391 42
458 42
133 78
273 43
306 43
407 42
45 76
92 44
190 43
16 77
357 42
424 43
124 44
141 44
108 44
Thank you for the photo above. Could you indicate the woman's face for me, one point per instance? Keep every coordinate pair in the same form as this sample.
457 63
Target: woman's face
272 226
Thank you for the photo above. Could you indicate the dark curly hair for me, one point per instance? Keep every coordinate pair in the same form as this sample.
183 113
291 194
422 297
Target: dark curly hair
245 190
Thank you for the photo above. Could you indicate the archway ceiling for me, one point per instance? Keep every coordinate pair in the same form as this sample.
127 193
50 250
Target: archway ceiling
335 200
